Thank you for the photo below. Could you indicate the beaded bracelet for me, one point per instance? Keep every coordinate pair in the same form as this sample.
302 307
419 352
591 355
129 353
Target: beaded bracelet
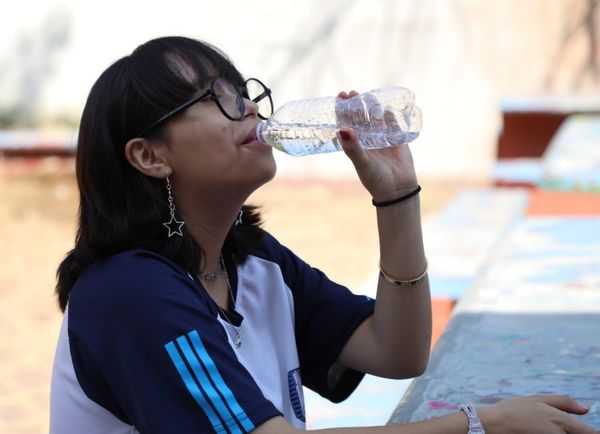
475 426
398 199
397 282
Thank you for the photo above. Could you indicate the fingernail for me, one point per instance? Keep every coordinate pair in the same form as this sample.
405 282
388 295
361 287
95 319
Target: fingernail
345 135
583 407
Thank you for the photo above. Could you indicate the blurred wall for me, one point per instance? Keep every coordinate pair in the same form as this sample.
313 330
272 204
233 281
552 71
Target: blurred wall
459 56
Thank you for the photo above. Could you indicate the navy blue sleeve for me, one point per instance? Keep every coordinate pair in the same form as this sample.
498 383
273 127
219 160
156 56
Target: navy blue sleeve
326 315
146 346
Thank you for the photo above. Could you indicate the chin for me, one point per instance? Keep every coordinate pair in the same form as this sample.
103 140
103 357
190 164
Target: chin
270 173
270 167
264 172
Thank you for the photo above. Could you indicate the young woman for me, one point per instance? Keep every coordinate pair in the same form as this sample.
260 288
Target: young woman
183 316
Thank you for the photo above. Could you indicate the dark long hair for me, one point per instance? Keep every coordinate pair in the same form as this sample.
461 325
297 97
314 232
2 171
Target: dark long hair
120 208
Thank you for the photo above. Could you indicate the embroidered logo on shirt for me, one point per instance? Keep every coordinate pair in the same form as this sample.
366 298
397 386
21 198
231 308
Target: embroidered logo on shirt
296 397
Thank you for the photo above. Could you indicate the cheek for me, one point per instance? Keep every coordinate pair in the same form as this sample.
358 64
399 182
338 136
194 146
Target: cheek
212 135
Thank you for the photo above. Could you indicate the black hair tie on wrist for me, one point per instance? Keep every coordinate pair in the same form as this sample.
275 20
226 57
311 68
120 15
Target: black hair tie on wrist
398 199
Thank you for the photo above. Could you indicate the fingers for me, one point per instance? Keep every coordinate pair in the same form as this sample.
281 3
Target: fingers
563 402
395 132
349 113
375 113
352 148
567 404
541 414
576 427
368 110
346 95
573 426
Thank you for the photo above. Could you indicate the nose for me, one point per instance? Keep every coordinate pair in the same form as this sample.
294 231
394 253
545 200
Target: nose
250 108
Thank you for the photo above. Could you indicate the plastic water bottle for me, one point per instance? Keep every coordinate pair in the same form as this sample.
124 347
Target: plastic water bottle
381 118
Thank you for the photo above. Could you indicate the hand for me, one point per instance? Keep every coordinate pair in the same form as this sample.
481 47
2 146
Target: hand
386 173
546 414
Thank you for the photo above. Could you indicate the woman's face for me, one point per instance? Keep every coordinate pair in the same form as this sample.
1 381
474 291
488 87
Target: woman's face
211 155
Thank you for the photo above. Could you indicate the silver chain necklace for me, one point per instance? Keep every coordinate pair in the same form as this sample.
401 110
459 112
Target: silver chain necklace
210 276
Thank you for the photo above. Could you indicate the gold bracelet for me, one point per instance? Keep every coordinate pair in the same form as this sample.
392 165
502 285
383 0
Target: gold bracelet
397 282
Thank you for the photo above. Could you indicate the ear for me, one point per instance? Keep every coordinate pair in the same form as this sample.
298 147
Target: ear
147 157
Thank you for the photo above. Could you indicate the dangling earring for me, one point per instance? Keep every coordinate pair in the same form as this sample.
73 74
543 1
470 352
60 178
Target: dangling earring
174 225
238 221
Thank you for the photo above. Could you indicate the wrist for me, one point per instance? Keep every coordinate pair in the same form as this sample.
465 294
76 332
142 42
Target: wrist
397 198
475 425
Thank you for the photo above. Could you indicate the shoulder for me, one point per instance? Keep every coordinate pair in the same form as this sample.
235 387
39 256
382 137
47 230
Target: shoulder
136 293
270 248
128 277
296 273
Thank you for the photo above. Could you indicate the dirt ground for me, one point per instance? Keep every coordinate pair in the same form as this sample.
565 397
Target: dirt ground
38 206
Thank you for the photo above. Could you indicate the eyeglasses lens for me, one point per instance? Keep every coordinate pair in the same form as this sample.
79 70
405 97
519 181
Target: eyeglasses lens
229 98
258 93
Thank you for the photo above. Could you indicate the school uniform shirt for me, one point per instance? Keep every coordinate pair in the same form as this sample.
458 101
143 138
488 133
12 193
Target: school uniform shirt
143 347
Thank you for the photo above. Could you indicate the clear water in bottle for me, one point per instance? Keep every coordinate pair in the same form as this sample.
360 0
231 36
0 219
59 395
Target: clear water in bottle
381 118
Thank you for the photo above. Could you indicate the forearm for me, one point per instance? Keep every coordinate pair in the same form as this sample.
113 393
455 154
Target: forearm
402 319
401 249
450 424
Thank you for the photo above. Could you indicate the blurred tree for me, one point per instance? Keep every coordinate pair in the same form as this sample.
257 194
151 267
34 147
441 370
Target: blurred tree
581 22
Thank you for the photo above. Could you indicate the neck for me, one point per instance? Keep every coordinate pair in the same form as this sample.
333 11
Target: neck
209 223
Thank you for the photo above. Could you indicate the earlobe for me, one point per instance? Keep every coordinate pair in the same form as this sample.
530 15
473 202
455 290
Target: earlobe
146 158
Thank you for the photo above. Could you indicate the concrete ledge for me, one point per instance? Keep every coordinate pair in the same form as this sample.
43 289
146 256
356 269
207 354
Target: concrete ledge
485 357
528 325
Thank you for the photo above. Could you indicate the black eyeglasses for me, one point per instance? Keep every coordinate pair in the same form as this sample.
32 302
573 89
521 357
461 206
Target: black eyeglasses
229 99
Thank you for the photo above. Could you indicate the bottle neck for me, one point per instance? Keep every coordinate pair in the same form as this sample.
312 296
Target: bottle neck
260 128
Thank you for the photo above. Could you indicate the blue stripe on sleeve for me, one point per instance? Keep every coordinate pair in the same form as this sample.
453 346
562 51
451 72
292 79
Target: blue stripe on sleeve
207 386
193 388
215 375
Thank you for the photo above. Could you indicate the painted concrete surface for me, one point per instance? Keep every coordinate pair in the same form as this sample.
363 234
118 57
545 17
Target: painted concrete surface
518 171
460 239
572 160
528 325
545 265
486 357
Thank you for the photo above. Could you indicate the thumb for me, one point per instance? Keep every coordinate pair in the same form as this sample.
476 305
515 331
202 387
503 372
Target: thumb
564 403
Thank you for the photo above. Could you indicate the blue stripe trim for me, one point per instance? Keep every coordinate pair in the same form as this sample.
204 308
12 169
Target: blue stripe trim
207 386
192 387
215 375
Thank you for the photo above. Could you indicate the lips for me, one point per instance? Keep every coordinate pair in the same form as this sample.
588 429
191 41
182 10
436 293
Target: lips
250 137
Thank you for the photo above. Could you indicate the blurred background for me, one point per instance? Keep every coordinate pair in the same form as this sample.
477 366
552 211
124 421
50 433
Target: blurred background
494 79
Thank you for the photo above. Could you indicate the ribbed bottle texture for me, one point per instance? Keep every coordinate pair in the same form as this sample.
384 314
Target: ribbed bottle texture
381 118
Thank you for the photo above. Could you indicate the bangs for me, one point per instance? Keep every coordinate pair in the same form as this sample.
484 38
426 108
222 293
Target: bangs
169 71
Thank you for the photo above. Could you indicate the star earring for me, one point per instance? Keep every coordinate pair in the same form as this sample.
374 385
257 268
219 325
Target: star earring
174 225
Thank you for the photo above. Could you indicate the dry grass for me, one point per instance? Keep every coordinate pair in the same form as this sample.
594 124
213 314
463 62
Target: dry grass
329 223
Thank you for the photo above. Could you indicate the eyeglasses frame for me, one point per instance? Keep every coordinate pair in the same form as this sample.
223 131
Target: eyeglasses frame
242 91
